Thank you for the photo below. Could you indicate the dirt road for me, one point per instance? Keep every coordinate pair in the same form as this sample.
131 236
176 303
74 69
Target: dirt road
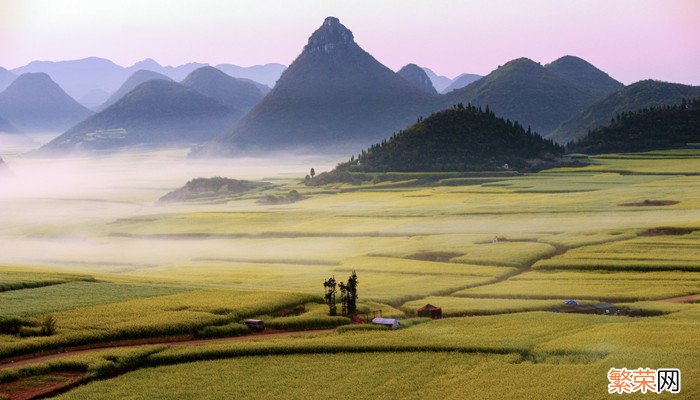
172 341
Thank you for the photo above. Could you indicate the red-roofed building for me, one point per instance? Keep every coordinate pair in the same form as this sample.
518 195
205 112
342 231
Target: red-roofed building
430 311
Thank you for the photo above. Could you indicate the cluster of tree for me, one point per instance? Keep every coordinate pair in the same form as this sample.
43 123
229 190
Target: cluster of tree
655 128
28 327
348 295
463 138
292 197
200 188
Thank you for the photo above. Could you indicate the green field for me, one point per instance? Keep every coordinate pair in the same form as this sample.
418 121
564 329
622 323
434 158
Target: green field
126 268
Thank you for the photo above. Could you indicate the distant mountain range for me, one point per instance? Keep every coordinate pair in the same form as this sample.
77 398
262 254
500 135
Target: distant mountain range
461 81
643 94
417 77
81 77
541 97
35 103
267 74
656 128
333 95
163 113
440 82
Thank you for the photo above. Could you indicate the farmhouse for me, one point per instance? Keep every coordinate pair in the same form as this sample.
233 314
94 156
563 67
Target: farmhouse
390 322
430 311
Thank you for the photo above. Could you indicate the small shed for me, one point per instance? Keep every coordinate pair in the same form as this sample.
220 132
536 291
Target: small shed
430 311
390 322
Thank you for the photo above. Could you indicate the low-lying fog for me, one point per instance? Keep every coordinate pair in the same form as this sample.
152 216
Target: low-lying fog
51 208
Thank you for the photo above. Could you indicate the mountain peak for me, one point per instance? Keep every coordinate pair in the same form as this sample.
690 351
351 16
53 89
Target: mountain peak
38 77
34 102
418 78
331 34
147 63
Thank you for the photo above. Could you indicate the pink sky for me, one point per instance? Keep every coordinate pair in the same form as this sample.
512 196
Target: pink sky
629 39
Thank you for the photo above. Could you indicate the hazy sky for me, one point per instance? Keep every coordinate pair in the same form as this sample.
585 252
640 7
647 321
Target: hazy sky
629 39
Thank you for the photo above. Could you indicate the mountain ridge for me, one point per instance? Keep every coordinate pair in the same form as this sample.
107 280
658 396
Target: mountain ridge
137 78
525 91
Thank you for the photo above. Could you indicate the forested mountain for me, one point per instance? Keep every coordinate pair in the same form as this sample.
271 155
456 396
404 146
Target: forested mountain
643 94
35 103
458 139
655 128
583 74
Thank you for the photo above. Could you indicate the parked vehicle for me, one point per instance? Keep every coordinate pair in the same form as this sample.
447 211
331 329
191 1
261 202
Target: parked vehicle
255 325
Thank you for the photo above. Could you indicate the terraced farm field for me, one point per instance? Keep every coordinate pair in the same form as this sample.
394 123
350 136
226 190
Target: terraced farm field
495 253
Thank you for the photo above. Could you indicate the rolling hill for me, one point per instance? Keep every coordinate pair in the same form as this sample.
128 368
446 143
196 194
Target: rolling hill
334 95
131 83
239 94
458 139
417 77
656 128
35 103
639 95
525 91
158 113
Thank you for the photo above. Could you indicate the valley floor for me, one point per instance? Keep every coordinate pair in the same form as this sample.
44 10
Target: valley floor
109 263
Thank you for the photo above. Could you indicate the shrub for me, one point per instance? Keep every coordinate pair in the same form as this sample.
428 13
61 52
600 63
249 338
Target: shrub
48 325
232 329
362 327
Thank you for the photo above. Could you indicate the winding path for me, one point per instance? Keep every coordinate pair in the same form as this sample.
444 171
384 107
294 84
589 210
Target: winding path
168 341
